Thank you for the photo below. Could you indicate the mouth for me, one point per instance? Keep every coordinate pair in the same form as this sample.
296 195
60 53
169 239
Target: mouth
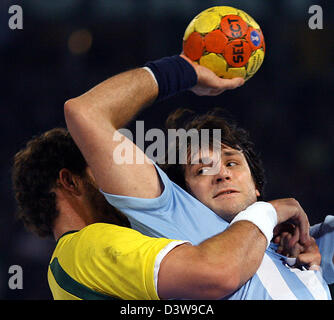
225 193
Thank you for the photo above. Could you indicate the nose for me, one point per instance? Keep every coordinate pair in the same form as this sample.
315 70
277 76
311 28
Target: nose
223 175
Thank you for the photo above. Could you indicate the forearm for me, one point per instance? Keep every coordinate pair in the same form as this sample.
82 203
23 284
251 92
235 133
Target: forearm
118 99
215 268
93 120
240 249
220 265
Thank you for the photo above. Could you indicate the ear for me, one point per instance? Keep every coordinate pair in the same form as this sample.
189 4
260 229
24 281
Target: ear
69 181
257 192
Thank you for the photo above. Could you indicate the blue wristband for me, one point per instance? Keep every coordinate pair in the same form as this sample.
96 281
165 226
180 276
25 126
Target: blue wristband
173 74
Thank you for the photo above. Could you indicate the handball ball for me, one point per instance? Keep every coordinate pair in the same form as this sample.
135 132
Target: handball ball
226 40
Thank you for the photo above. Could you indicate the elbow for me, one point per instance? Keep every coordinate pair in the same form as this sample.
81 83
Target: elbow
228 285
70 108
223 286
74 114
219 282
76 118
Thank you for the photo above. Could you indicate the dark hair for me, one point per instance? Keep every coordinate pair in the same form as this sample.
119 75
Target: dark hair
231 135
35 172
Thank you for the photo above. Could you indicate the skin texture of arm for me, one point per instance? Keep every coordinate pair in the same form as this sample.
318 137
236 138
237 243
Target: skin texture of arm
216 267
93 120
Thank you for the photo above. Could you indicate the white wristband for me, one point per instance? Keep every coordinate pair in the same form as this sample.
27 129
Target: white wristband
263 215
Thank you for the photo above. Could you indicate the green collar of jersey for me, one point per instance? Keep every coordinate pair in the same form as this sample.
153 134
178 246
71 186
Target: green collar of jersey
66 233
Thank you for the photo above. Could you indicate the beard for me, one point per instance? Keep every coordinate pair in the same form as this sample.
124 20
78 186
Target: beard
230 209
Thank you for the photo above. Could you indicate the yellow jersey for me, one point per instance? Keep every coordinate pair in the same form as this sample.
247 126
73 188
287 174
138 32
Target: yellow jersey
105 261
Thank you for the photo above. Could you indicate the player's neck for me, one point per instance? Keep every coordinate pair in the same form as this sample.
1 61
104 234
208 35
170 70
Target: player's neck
73 214
67 221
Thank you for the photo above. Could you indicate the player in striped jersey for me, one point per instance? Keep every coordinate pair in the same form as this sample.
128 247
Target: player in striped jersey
158 207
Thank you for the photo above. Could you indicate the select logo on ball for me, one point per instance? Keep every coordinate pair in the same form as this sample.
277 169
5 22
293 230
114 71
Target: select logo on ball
237 53
233 26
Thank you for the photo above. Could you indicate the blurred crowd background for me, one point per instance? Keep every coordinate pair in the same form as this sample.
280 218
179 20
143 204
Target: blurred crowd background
68 46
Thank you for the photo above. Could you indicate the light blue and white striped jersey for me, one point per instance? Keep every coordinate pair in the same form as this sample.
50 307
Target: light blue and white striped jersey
175 214
324 236
276 280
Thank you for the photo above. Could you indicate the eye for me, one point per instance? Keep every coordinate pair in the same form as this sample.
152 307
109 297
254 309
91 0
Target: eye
231 164
202 171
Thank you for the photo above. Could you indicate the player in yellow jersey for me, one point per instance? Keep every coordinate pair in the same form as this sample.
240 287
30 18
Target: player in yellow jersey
105 261
96 256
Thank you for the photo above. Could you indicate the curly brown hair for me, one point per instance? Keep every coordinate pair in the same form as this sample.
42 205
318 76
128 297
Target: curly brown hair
231 135
35 172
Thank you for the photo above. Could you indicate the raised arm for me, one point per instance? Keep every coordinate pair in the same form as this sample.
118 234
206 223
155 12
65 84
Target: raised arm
94 118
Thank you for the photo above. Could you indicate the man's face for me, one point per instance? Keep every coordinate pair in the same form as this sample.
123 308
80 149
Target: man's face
225 185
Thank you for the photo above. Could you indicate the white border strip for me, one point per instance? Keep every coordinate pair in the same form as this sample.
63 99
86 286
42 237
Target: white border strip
170 246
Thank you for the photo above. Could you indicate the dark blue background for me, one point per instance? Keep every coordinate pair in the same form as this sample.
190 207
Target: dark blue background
287 106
